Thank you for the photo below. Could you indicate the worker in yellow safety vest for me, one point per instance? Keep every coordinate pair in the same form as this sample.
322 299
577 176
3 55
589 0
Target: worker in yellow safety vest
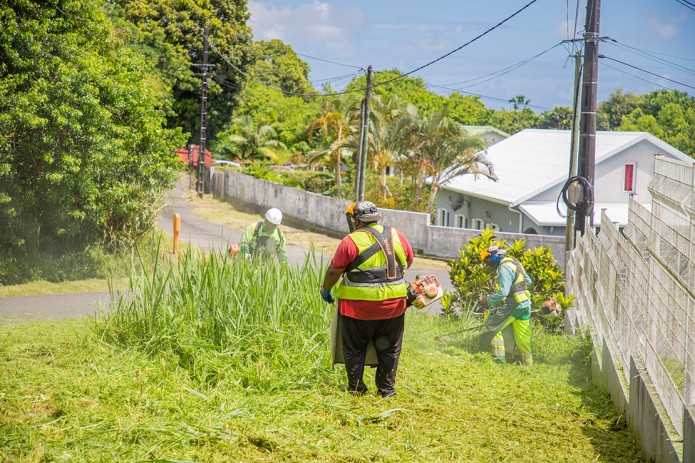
264 238
514 311
371 295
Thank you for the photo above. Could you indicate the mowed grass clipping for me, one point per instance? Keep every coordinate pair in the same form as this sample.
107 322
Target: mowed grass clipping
232 373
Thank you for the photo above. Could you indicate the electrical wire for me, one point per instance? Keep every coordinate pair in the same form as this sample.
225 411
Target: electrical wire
501 72
644 70
637 77
311 95
330 80
686 4
587 195
576 19
479 36
331 62
501 100
647 55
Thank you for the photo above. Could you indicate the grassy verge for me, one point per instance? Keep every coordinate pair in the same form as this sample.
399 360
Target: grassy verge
41 287
211 359
66 395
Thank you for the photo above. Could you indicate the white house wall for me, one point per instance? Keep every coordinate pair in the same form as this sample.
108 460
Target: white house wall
609 176
472 208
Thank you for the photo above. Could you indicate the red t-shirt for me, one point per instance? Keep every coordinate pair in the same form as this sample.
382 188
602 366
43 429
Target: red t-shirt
368 310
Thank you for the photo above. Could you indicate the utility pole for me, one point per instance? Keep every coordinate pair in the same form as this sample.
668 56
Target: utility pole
569 226
358 158
365 135
587 140
200 187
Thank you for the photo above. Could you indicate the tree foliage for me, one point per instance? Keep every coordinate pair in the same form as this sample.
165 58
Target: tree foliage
277 65
170 33
520 117
84 152
560 117
618 105
669 115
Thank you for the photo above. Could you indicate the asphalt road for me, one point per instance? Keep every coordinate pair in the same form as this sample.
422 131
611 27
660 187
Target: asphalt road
194 230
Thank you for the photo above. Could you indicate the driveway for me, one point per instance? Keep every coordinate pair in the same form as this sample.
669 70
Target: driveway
195 231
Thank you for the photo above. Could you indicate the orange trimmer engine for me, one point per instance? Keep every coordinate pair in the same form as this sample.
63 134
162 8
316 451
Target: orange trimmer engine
424 291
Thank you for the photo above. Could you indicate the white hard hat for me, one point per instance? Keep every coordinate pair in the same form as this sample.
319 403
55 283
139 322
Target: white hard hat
274 216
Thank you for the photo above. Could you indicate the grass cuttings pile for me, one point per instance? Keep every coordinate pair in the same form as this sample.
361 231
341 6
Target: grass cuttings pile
218 360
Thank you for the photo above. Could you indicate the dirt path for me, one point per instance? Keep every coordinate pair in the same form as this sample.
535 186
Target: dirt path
196 231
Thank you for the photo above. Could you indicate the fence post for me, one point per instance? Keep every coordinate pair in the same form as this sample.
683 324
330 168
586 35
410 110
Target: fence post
177 229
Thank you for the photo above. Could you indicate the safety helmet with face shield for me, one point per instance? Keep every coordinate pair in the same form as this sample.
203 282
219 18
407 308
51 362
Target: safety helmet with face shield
493 255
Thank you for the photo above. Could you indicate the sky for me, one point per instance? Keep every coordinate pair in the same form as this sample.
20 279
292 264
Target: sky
657 36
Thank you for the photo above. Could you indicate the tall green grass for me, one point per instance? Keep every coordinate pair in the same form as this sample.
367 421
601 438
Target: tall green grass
220 316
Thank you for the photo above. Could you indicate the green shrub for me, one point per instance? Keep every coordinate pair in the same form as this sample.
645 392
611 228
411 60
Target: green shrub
471 277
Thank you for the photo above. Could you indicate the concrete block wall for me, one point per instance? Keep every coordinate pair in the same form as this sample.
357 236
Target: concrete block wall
689 433
647 419
327 213
633 396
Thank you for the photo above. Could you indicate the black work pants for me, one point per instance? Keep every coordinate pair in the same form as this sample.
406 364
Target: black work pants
387 336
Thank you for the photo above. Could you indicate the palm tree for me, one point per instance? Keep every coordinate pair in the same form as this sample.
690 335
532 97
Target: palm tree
392 126
336 122
254 139
448 151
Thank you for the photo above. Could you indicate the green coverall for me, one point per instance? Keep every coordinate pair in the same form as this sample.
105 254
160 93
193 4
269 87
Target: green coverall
258 242
516 314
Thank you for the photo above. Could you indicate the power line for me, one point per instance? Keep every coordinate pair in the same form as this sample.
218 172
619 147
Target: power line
648 72
458 48
312 95
637 77
331 62
687 4
501 100
501 72
576 19
649 56
330 80
479 36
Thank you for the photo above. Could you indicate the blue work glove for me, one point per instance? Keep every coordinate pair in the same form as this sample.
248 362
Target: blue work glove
326 296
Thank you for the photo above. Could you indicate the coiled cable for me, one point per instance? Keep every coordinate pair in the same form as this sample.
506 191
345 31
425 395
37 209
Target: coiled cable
578 202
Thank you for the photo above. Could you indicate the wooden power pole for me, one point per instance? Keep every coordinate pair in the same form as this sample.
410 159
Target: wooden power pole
364 139
587 138
200 186
569 225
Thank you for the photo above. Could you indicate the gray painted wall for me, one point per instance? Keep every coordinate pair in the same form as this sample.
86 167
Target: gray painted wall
327 214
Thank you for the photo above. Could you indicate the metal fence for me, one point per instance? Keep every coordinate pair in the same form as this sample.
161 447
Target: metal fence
636 290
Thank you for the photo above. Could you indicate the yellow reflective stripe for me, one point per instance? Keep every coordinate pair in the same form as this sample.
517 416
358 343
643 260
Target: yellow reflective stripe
346 289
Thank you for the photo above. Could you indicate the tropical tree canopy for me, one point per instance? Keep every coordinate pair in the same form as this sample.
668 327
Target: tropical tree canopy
85 155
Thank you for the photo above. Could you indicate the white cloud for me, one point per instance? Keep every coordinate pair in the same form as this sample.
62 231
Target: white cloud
307 25
666 26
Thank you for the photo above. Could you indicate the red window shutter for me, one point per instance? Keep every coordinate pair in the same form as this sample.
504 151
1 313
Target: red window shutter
629 177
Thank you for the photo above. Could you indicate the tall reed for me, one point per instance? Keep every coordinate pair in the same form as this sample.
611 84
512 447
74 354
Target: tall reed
259 323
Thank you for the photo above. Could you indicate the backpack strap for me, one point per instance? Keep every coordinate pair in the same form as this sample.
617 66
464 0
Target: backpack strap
384 242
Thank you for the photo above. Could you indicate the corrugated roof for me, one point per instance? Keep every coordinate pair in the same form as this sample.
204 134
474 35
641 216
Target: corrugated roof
546 215
533 160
